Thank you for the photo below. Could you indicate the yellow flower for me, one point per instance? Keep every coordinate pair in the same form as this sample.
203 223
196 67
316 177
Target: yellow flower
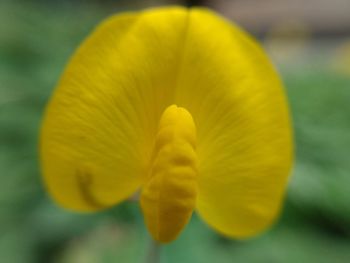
179 104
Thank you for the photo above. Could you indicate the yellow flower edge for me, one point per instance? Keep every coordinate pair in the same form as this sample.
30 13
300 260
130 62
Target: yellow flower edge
101 128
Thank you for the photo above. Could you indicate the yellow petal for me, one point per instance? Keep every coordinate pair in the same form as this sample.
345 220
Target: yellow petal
100 125
244 134
169 196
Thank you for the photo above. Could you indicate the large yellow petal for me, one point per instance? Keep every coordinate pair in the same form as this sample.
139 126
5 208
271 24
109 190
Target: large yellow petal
100 125
244 133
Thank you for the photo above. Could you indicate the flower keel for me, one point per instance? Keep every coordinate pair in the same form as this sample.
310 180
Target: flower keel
168 197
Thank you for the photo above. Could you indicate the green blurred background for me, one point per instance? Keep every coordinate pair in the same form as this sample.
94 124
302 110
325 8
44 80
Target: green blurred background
309 43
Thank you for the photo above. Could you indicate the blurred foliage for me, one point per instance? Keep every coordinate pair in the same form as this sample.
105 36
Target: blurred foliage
35 42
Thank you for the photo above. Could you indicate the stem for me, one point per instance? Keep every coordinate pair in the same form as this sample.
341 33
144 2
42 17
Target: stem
153 254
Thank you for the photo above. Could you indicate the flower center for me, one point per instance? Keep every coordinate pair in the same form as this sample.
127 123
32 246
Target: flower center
168 197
